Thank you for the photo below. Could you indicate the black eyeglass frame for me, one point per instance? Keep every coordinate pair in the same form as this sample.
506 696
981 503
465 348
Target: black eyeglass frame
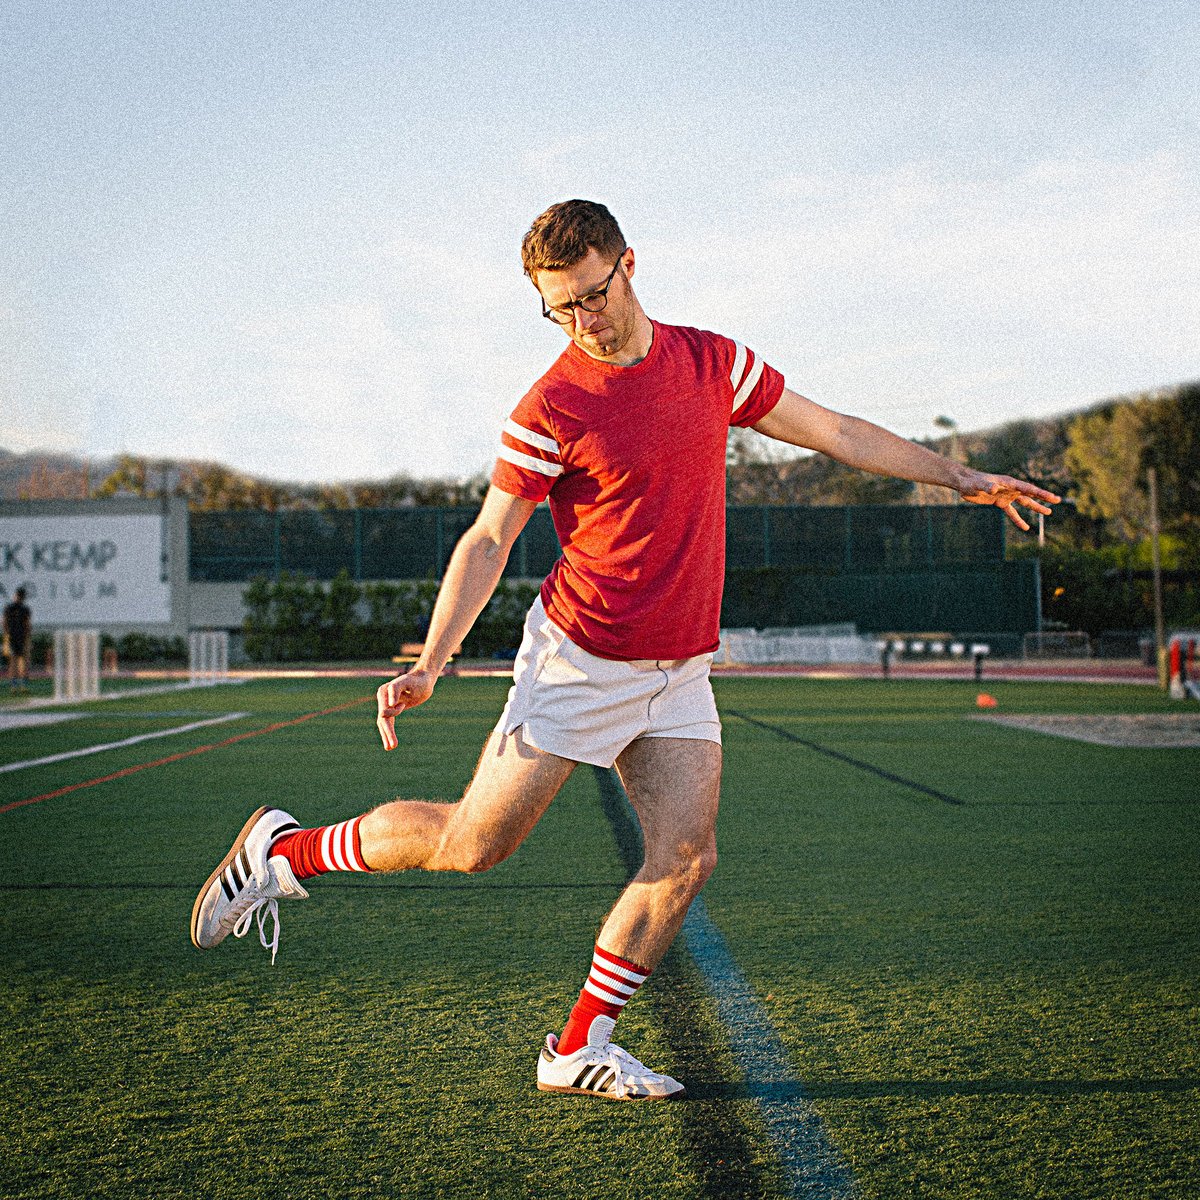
568 310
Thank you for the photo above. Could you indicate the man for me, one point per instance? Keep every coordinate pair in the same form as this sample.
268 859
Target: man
18 634
625 435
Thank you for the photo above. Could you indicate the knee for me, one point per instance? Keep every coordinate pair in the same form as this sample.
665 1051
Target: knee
704 864
469 850
691 870
474 858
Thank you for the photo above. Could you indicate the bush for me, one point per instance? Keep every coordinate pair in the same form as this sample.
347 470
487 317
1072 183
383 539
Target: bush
497 632
1109 588
396 613
145 648
293 618
132 648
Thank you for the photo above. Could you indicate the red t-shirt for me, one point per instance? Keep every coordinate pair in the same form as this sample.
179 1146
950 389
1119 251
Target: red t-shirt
633 462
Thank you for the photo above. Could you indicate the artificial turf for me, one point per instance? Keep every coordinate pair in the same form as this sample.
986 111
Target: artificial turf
989 994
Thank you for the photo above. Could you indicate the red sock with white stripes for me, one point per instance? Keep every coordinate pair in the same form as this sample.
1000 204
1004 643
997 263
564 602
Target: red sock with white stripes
329 848
610 984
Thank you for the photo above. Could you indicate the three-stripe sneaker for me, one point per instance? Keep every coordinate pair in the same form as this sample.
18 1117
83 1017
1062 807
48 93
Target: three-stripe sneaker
247 884
604 1070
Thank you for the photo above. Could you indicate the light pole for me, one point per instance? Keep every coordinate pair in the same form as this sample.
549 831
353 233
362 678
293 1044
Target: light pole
1159 631
951 425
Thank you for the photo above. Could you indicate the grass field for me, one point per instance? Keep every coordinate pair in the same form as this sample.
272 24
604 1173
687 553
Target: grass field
979 947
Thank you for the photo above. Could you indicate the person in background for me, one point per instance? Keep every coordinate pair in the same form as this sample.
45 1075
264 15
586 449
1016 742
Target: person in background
18 634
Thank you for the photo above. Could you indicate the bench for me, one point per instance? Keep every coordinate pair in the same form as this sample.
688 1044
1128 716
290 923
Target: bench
411 651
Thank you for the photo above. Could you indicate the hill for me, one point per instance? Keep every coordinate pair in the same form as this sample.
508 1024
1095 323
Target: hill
759 471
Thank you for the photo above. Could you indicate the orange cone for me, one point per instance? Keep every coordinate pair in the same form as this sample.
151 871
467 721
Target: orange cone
983 700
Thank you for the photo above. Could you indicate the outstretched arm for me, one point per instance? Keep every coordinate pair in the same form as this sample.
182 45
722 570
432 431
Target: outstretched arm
869 447
471 577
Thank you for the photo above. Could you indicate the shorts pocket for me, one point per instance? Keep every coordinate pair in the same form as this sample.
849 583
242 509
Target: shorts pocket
552 639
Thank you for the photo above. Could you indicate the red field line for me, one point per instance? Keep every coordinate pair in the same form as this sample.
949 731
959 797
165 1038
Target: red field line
170 758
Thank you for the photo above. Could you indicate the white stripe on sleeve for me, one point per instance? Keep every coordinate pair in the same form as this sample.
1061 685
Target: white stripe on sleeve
529 462
739 365
748 384
529 437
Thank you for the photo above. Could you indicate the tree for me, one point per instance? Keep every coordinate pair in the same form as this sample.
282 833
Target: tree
1104 456
49 481
1109 451
759 471
129 476
1173 446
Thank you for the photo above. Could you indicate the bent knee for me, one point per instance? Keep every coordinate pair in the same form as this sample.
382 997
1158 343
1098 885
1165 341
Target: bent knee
702 866
476 859
469 851
690 872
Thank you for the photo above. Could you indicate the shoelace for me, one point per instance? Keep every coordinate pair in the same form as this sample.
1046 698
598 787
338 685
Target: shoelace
621 1061
257 905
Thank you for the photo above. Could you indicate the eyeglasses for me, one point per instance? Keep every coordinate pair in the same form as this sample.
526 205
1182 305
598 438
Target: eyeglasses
564 314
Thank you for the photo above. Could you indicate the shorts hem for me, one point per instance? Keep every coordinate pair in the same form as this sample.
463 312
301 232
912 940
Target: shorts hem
539 742
693 733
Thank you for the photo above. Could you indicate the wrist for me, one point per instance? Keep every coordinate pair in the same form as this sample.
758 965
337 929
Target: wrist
962 478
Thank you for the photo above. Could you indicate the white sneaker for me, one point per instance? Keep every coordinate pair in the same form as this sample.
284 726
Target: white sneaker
247 883
602 1070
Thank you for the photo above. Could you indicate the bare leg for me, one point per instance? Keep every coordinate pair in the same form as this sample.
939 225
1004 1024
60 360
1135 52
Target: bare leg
674 786
513 786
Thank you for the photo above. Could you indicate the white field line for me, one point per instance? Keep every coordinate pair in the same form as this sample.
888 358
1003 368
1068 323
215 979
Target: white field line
33 720
128 694
811 1164
130 741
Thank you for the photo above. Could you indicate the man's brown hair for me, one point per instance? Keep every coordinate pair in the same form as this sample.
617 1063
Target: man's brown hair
564 233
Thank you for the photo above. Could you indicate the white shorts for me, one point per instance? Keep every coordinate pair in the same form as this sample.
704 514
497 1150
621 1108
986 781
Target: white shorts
588 709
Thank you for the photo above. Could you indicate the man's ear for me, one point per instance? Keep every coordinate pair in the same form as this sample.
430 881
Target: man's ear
628 260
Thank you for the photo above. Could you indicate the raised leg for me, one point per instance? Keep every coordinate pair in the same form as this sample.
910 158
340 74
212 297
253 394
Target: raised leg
512 787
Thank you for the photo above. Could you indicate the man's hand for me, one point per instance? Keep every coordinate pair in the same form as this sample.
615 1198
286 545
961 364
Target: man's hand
405 691
1006 493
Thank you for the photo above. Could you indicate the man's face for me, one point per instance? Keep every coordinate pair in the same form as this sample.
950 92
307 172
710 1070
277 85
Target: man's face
602 334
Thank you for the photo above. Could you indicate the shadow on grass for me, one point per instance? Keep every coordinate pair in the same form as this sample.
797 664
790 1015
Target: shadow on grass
937 1089
845 759
721 1147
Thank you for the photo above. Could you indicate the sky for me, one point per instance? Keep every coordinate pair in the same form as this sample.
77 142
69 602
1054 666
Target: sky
286 237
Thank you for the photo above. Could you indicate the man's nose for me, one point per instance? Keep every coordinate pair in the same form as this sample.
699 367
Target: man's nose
585 320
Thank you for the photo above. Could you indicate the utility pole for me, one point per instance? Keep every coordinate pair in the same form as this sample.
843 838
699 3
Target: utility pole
1160 645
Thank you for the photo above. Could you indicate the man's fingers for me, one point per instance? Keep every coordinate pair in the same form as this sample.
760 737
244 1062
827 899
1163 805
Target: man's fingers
393 698
387 731
1015 517
1032 491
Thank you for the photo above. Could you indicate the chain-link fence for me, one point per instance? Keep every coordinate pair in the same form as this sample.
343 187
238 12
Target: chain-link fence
368 543
415 543
985 599
882 567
